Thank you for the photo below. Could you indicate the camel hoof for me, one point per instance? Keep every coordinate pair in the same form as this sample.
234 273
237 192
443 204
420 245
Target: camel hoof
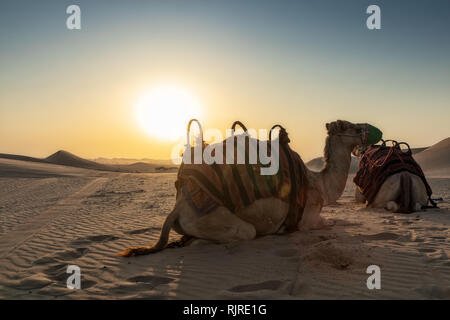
418 207
325 223
321 223
200 242
392 206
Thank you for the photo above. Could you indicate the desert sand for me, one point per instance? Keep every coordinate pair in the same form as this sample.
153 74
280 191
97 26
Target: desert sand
52 216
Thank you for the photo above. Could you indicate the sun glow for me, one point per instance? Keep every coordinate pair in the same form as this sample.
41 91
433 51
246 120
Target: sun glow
163 112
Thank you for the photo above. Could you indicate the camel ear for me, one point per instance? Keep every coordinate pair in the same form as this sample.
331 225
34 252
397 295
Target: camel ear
327 126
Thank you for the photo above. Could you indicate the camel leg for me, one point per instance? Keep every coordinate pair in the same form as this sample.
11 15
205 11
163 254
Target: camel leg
220 225
359 197
311 218
392 206
419 196
388 192
266 215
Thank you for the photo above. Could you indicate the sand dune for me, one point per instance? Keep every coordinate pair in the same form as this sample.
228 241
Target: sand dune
417 150
436 157
115 161
33 169
68 159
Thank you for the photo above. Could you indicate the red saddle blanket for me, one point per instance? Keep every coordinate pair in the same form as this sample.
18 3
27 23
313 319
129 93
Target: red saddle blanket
236 186
380 162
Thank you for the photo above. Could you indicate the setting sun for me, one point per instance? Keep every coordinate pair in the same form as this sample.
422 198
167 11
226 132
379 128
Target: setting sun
163 112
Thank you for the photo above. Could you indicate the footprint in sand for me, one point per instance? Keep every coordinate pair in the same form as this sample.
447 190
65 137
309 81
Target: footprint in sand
435 292
345 223
33 282
426 250
437 229
57 272
102 238
86 284
98 238
163 195
139 231
153 280
266 285
63 255
44 260
381 236
71 254
150 206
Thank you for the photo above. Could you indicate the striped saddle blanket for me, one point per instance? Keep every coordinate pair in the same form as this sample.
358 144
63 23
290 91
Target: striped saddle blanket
236 186
380 162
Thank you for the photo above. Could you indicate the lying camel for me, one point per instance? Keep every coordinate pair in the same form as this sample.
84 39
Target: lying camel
390 178
267 215
402 192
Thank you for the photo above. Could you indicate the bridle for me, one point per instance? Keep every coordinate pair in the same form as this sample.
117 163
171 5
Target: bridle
363 135
351 135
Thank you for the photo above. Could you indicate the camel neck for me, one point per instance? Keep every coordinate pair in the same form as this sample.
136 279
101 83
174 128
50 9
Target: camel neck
335 172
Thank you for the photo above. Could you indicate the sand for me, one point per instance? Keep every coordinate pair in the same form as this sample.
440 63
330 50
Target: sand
53 216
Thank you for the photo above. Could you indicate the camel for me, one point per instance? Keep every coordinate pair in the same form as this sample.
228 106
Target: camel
403 191
399 191
266 216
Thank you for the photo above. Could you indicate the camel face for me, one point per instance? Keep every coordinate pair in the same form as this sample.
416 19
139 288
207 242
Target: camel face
355 136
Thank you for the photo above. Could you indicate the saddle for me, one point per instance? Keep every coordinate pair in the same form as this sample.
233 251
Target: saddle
237 185
379 162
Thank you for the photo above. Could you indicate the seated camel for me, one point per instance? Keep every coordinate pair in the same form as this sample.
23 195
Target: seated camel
291 200
390 178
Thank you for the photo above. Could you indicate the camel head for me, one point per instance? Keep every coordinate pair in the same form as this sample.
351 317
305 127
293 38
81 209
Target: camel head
354 135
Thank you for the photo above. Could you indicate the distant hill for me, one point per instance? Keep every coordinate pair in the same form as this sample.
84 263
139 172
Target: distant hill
65 158
317 164
68 159
21 158
122 161
436 157
417 150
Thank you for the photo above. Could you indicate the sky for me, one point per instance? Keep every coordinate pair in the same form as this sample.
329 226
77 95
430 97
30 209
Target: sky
297 63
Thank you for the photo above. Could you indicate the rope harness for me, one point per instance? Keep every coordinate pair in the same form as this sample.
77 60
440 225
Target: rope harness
294 214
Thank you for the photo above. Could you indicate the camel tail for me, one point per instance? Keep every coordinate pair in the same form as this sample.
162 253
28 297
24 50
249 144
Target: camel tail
162 242
405 200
